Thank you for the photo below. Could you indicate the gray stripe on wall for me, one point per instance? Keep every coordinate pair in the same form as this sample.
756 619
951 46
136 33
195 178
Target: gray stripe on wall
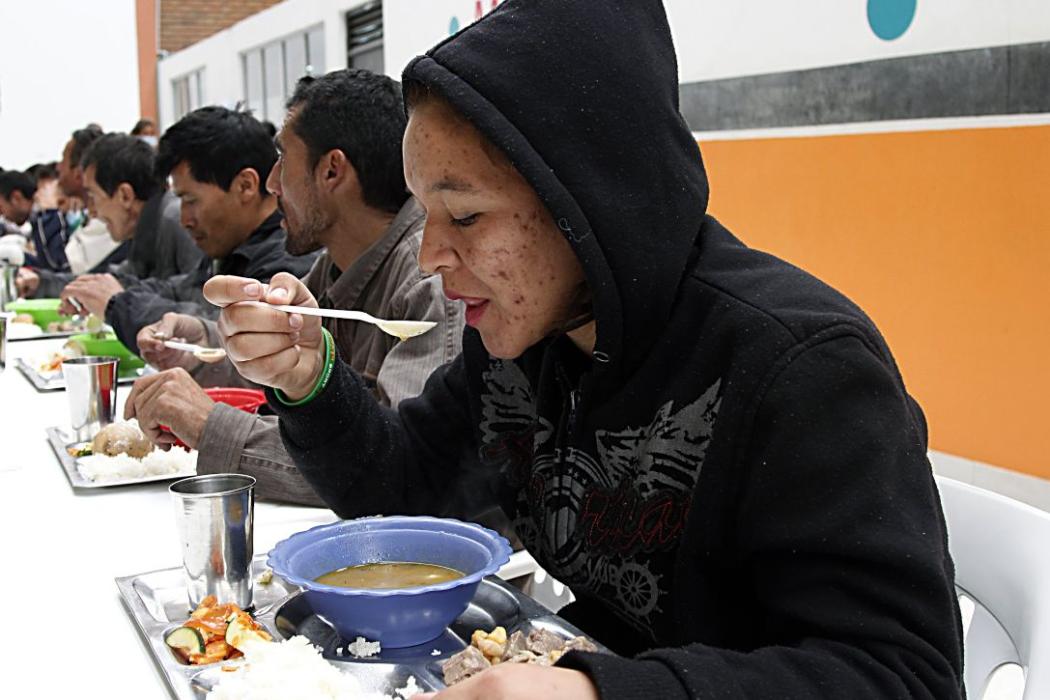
980 82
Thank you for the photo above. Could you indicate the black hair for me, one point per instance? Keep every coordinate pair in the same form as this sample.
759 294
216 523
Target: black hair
361 114
42 171
217 143
12 181
82 140
270 128
141 125
121 158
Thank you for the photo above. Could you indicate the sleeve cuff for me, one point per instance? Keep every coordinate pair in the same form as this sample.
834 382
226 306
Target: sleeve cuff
222 442
618 678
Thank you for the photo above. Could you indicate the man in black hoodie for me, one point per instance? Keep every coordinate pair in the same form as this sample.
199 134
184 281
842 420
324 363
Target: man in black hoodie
218 160
715 450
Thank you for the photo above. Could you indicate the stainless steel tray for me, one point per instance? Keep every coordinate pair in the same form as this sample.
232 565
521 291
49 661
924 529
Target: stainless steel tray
56 382
45 336
157 603
60 440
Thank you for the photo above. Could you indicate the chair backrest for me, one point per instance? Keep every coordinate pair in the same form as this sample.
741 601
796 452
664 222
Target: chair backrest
1001 549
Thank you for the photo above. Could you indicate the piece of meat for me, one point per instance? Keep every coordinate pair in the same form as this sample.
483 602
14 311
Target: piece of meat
463 665
542 642
515 645
580 644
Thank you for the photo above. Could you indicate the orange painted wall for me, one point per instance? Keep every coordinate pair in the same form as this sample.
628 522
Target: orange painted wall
943 237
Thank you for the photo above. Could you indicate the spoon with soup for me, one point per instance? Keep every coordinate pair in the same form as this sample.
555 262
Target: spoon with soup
206 355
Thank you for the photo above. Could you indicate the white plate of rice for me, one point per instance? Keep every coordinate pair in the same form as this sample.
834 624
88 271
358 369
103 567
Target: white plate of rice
122 469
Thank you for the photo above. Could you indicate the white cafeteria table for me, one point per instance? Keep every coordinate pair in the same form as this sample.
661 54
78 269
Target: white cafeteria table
65 632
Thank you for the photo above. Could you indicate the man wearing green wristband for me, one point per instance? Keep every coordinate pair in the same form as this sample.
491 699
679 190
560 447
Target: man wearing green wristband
340 185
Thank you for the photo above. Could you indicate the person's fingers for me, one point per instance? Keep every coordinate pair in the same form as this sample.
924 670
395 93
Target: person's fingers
245 347
266 370
256 317
146 408
286 288
137 389
223 290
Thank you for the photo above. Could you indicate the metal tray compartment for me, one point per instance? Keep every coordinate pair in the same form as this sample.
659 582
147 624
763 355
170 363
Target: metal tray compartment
157 603
56 382
60 440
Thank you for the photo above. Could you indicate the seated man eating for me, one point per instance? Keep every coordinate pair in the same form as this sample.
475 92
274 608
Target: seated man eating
712 448
341 186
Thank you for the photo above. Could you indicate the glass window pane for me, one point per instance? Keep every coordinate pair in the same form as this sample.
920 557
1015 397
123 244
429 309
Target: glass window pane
253 82
199 92
273 70
179 89
370 59
315 55
294 61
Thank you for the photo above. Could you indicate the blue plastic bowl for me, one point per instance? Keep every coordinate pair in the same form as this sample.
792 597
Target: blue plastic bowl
401 617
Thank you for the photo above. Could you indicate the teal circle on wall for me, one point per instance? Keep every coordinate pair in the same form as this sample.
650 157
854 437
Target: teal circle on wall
889 19
453 26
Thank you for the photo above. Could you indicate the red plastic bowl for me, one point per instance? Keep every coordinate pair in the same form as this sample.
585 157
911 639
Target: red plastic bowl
245 399
248 400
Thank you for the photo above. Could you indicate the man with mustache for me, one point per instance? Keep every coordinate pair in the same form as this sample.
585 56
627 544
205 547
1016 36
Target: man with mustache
340 184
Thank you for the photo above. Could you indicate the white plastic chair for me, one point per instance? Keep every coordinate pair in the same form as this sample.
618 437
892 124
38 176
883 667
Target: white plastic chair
1001 549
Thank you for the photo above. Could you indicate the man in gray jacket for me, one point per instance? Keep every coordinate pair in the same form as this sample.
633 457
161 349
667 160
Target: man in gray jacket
135 205
340 184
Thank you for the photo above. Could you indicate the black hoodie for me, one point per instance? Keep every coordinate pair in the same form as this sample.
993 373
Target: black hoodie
737 479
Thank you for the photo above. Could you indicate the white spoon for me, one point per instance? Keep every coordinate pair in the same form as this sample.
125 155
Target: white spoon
208 355
403 330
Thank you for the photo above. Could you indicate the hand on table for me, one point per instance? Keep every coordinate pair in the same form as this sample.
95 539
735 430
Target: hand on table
172 326
27 281
92 291
170 398
520 682
269 347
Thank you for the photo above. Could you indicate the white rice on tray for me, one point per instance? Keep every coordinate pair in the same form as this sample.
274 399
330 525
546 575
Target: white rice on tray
295 669
156 463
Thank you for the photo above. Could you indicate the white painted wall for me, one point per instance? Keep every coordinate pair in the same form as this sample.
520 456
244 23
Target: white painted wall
714 38
718 39
64 64
410 27
220 54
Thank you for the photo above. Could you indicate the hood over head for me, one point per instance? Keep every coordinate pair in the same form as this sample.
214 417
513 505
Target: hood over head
582 96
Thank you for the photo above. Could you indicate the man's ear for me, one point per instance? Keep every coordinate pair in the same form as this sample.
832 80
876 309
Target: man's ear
246 184
335 171
125 194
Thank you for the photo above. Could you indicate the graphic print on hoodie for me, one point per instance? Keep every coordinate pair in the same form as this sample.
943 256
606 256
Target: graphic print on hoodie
600 520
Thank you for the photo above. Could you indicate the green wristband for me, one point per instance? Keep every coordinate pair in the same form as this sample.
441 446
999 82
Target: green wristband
322 381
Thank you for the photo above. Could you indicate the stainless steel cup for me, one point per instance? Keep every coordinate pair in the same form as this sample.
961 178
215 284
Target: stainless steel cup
8 288
3 341
214 517
91 385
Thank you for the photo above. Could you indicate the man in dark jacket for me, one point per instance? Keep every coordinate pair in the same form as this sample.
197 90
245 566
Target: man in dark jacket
218 160
133 202
715 450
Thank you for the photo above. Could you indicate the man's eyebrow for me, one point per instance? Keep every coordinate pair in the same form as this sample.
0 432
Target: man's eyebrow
451 184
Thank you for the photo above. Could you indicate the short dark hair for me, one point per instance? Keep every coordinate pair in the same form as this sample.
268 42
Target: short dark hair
141 125
361 114
12 181
217 143
42 171
121 158
82 140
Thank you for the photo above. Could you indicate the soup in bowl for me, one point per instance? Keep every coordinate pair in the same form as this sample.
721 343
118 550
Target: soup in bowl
390 555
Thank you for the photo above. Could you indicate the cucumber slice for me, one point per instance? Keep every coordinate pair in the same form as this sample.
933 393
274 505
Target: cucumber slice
187 639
